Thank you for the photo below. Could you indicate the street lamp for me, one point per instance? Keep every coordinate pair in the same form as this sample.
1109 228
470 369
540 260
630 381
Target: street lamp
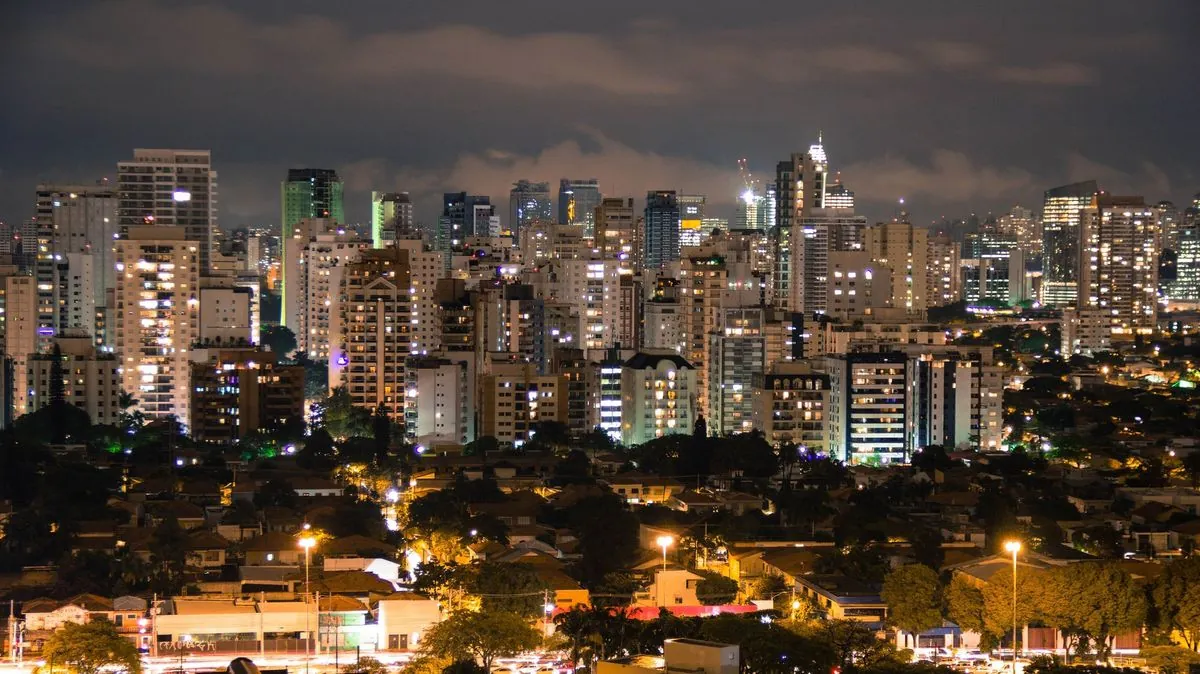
1014 547
307 542
664 542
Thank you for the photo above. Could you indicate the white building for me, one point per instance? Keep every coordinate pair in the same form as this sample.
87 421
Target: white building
658 397
175 188
868 407
440 407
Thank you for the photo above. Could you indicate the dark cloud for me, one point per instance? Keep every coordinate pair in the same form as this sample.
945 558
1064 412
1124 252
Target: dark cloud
954 105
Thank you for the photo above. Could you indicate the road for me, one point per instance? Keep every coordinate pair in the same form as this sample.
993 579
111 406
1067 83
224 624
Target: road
323 664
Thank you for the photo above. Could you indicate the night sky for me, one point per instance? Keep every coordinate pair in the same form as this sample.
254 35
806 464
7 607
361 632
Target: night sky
957 106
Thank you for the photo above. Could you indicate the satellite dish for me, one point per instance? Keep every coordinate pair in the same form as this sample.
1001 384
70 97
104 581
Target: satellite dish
242 666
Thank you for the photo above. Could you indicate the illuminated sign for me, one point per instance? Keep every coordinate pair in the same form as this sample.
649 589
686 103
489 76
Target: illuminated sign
690 224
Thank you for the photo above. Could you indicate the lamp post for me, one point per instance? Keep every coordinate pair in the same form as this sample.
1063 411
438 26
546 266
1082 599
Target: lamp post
663 542
307 542
1014 547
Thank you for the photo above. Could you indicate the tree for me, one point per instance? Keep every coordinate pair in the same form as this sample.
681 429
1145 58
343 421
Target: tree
913 596
768 647
1090 603
168 557
381 433
608 535
854 645
482 636
515 588
365 665
276 492
89 648
279 339
1176 597
1191 466
715 589
964 607
1170 659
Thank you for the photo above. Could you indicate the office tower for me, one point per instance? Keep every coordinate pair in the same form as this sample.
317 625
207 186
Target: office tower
516 399
611 397
837 196
439 410
1060 241
391 217
997 275
90 379
618 233
1185 288
1168 224
1020 225
868 407
577 202
20 337
904 249
747 211
816 236
76 223
691 219
464 215
658 397
737 352
370 333
943 282
158 316
1118 268
528 202
800 186
311 193
791 406
318 263
170 188
661 234
237 391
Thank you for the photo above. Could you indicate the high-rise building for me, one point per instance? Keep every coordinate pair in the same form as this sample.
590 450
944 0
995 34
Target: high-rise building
661 234
737 352
943 283
391 217
691 220
1020 225
1118 268
90 379
426 269
170 188
816 236
905 250
528 202
658 397
464 215
516 399
370 331
1060 241
1169 224
618 233
577 202
837 196
20 338
157 316
76 227
317 257
800 186
440 409
791 405
236 391
311 193
1185 288
868 407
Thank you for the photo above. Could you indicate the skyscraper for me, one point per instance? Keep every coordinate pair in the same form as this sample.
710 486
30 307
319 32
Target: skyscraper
528 202
905 250
158 291
1118 269
391 217
170 188
464 215
691 219
618 234
662 229
800 186
311 193
577 202
1060 241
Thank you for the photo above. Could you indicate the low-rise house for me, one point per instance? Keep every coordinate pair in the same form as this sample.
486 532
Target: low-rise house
206 550
670 587
840 597
307 485
639 488
273 549
403 618
189 515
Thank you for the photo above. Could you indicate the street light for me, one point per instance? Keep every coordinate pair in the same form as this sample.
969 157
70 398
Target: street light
664 542
307 542
1014 547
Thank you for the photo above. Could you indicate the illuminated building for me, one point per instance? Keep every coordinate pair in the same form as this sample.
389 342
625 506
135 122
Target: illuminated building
238 391
1019 225
661 235
426 269
814 238
904 249
611 398
691 220
664 325
1060 241
737 352
20 336
541 242
516 399
528 202
577 202
857 286
837 196
618 233
1168 224
955 398
868 408
1118 270
391 217
440 409
791 405
658 397
90 380
316 259
226 314
157 316
369 330
1185 288
943 282
307 194
173 188
997 274
800 185
464 215
75 229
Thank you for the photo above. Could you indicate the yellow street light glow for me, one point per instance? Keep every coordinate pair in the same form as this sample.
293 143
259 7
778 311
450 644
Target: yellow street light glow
307 542
665 541
1012 547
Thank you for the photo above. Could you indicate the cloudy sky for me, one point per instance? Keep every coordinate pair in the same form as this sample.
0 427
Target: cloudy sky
956 106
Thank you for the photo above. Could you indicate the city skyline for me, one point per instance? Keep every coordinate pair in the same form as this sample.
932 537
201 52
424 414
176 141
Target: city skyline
972 125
